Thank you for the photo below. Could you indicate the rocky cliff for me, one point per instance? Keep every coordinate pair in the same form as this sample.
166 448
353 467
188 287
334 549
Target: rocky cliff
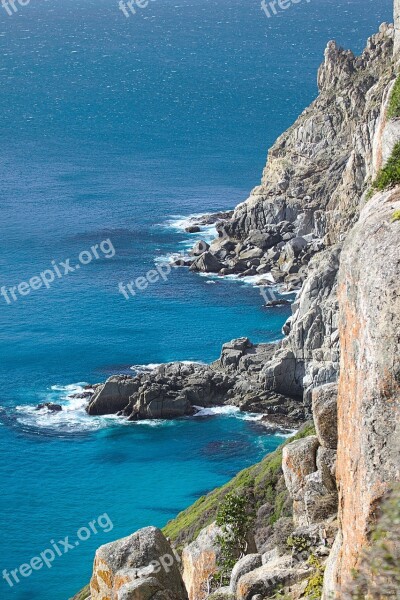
315 227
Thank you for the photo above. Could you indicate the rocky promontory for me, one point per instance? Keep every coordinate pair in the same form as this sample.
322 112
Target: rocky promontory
181 389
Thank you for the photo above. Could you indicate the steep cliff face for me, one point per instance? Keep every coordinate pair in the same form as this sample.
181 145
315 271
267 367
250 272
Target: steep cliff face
327 159
369 386
326 154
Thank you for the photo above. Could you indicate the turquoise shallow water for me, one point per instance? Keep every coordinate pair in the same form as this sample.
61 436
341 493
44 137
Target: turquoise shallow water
115 128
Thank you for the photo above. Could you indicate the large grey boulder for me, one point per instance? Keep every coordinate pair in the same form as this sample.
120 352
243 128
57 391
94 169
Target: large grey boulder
265 580
324 407
206 263
113 396
136 568
244 565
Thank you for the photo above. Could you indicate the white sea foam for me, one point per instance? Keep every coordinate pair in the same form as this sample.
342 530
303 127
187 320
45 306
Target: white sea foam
216 410
72 418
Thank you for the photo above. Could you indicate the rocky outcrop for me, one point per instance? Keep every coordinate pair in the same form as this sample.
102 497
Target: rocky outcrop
179 389
139 567
369 386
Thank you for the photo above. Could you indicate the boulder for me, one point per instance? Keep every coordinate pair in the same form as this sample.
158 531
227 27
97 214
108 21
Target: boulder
113 396
50 406
206 263
251 253
244 565
192 229
264 241
137 567
199 561
324 407
267 578
199 247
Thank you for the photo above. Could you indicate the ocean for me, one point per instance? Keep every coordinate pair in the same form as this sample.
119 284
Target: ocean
114 131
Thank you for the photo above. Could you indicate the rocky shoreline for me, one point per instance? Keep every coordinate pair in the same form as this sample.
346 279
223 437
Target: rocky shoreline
313 226
176 390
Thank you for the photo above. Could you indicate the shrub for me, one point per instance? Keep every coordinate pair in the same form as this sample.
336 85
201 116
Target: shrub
389 175
298 543
396 216
235 522
394 102
315 583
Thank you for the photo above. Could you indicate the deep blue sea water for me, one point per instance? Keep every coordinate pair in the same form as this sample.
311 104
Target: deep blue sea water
116 128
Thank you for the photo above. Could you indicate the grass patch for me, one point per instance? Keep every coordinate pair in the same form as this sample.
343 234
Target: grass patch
83 594
389 175
396 216
394 102
259 483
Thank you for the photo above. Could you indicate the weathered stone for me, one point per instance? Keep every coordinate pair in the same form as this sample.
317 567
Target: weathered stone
199 561
369 385
199 247
244 565
137 567
299 461
267 578
206 263
324 407
113 396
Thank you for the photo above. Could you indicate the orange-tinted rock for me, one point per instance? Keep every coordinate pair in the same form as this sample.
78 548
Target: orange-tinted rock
368 460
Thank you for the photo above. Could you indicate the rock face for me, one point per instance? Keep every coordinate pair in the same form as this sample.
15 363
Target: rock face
369 386
139 567
324 407
200 561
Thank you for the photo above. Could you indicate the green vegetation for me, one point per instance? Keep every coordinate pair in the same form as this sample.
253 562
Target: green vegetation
389 175
378 575
280 594
260 484
394 102
315 583
83 594
235 522
298 543
396 216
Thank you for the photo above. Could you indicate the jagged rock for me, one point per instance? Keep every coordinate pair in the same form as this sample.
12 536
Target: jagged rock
137 568
324 407
206 263
113 396
199 247
244 565
199 561
266 579
50 406
193 229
